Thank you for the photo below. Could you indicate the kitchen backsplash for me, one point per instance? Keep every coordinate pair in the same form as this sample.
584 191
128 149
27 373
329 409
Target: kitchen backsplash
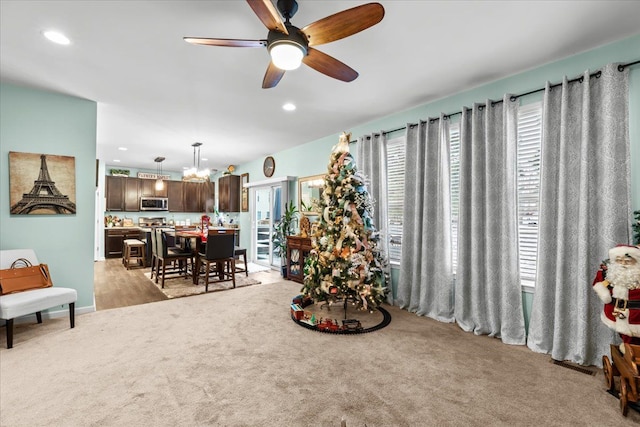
172 218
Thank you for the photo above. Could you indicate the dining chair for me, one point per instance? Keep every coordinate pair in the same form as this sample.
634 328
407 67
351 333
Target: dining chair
169 256
241 252
154 253
219 253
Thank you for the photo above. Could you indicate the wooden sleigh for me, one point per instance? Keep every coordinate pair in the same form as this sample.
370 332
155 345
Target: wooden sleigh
626 367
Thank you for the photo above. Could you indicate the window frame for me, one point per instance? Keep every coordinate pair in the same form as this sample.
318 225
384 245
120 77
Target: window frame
528 169
395 190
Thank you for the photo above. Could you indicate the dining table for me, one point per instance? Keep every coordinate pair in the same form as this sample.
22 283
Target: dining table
195 240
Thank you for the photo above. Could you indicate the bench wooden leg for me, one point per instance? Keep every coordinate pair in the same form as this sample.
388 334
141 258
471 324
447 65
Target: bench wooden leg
9 326
39 316
72 314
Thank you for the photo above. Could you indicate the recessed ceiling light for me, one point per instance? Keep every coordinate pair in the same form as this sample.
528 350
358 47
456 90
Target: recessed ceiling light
288 107
116 161
122 148
205 160
57 37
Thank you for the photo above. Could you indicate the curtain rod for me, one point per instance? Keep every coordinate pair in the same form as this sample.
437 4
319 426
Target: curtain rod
597 75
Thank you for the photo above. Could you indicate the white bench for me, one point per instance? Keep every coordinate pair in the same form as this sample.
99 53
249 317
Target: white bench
32 301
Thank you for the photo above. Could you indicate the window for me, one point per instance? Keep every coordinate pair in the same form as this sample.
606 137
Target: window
395 195
528 182
395 186
528 188
454 177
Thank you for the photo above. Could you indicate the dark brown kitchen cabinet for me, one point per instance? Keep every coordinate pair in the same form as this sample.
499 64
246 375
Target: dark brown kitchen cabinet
175 194
208 196
192 197
131 195
198 197
229 193
115 193
114 238
122 194
148 188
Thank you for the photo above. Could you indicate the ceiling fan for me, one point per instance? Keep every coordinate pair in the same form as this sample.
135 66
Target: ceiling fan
288 45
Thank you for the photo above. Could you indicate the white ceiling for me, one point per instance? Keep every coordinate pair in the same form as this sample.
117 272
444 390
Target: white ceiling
157 94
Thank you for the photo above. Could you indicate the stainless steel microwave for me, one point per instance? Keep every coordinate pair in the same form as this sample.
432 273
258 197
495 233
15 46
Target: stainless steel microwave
154 204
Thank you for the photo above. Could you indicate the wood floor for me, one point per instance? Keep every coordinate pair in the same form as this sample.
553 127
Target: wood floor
115 286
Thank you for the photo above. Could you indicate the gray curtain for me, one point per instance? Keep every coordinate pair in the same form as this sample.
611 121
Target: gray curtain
426 281
585 209
488 298
372 162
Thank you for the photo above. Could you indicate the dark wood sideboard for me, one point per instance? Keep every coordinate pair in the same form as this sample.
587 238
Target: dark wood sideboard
298 249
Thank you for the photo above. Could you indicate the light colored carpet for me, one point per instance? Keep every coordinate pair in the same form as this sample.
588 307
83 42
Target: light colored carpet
235 358
177 287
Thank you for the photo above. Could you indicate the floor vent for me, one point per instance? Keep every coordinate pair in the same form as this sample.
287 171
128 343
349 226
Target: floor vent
581 369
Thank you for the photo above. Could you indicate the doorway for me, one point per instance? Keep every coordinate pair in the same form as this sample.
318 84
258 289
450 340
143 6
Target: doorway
268 199
268 209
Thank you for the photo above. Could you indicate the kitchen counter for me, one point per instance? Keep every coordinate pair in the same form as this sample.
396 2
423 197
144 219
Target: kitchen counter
123 228
114 238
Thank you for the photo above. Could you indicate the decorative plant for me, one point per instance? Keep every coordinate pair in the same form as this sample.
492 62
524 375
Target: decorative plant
304 207
313 205
120 172
636 227
283 228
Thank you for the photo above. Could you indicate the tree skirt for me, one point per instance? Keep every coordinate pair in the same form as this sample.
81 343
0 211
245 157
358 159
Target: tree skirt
331 318
183 287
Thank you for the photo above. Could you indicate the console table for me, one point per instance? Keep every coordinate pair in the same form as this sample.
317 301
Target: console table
298 249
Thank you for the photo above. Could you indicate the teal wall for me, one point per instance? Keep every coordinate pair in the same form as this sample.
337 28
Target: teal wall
316 153
42 122
33 121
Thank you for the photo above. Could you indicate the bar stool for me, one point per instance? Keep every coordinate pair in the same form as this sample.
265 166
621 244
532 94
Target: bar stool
133 250
241 252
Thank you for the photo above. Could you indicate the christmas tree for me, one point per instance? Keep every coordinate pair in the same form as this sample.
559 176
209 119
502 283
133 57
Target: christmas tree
345 263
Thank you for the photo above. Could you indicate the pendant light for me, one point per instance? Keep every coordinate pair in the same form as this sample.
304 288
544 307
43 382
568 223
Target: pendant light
195 174
159 181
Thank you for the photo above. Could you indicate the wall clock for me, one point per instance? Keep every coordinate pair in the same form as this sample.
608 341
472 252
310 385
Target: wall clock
269 166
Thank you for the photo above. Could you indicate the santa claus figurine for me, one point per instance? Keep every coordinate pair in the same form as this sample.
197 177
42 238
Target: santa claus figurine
617 283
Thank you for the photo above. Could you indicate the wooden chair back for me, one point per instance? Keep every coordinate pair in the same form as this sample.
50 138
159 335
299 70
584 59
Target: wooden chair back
220 244
154 248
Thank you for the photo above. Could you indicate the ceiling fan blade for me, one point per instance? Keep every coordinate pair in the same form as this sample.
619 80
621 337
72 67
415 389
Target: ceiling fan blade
272 76
343 24
226 42
268 14
329 66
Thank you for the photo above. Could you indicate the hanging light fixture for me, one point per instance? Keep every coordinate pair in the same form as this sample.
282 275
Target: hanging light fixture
195 173
159 181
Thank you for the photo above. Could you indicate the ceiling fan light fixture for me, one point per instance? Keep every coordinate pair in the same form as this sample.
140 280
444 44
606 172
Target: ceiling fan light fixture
286 54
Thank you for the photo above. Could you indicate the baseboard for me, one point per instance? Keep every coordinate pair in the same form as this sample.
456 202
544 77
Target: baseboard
62 312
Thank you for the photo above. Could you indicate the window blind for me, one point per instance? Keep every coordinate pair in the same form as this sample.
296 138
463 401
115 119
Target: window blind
454 174
528 184
395 195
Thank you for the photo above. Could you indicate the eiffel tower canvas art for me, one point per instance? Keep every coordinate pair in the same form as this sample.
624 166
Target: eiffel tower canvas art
41 184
